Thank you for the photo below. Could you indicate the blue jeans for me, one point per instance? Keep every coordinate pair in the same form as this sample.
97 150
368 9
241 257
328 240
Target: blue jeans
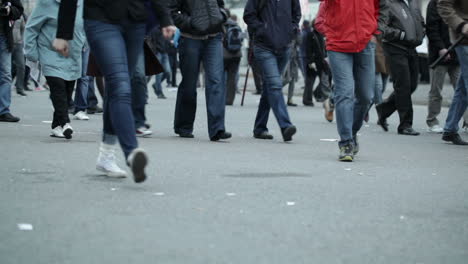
83 85
139 92
460 98
166 75
117 48
354 77
5 76
272 66
192 52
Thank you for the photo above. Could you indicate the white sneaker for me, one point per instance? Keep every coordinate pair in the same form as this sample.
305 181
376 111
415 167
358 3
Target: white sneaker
81 115
435 129
67 131
57 132
143 132
106 162
137 160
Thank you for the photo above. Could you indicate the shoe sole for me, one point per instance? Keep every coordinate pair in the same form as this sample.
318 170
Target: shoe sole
144 136
68 133
54 136
139 162
82 119
346 159
264 138
111 174
288 133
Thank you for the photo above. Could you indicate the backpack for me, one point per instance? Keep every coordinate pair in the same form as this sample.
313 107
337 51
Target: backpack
233 39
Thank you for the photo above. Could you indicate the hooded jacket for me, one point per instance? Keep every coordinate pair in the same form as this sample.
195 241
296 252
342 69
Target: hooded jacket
275 25
39 34
455 14
16 10
198 17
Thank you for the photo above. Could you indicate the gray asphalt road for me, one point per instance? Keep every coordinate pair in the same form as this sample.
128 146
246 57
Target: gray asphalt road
404 200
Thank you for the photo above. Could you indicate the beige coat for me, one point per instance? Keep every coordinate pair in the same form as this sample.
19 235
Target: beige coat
454 13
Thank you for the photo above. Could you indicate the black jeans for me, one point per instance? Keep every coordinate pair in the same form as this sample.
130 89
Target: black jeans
60 92
231 69
404 67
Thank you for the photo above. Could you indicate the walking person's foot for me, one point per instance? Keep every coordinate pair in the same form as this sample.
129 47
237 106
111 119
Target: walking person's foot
263 135
81 115
137 161
106 162
409 131
454 138
57 132
290 103
221 135
346 153
435 129
21 93
67 131
288 133
8 117
328 110
382 122
143 132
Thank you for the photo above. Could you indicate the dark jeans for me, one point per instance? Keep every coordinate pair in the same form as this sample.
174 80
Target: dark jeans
139 92
272 66
257 74
405 73
163 58
231 68
19 66
83 85
117 48
60 91
174 65
310 77
191 53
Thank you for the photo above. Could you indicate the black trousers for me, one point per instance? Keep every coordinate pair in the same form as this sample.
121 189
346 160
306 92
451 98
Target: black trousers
231 70
310 77
404 66
173 62
60 92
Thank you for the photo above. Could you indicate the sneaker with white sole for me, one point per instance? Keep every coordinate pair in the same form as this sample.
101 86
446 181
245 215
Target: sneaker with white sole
143 132
435 129
106 162
67 131
81 115
57 132
137 161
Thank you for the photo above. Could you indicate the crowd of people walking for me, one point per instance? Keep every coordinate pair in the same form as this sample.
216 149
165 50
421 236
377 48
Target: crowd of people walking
354 49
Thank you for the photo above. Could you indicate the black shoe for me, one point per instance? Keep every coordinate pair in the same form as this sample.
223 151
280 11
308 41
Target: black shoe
288 133
346 153
454 138
161 96
185 135
409 131
221 135
311 104
356 145
22 93
263 135
148 126
9 118
137 161
291 104
94 110
381 121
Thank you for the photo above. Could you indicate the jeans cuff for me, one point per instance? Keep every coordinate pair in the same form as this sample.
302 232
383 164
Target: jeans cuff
109 139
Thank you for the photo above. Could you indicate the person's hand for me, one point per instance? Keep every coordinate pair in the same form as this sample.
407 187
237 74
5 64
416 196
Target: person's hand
61 46
442 52
168 31
8 8
465 30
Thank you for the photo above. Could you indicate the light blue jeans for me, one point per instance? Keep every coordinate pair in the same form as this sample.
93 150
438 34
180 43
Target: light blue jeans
5 76
354 77
460 98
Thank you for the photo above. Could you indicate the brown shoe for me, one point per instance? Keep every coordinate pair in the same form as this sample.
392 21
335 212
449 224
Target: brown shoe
328 110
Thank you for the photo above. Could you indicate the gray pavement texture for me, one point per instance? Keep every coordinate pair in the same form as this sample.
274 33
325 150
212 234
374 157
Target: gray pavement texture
404 199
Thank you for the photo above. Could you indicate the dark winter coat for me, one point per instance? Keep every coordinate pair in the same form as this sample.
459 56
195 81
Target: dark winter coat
438 34
276 25
16 10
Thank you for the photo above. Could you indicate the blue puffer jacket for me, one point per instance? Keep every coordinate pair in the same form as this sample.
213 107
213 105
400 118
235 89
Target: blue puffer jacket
39 34
276 25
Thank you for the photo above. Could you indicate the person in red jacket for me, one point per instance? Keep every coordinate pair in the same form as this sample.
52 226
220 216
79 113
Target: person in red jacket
350 27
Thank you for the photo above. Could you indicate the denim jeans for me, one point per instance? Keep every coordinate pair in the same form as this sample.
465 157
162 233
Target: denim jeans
139 92
380 87
166 75
5 76
460 98
272 66
210 53
83 85
354 77
117 48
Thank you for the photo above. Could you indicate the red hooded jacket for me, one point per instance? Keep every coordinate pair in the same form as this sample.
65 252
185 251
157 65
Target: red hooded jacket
348 24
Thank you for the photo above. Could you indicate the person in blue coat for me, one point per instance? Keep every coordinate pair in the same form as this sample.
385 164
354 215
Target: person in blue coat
61 72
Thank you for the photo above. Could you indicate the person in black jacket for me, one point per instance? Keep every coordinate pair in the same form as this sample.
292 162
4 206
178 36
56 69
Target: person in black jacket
273 24
403 31
115 31
439 41
201 25
9 11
